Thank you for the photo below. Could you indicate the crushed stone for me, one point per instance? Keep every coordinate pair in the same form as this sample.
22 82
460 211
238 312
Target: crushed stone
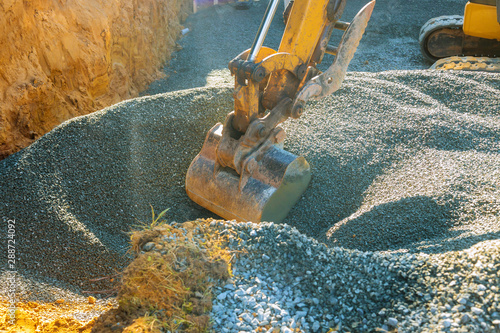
405 165
401 160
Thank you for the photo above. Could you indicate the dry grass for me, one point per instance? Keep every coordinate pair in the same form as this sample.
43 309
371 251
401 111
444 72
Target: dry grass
169 287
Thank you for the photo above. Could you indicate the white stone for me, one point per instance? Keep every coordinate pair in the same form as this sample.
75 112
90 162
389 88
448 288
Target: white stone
246 317
222 296
476 311
393 322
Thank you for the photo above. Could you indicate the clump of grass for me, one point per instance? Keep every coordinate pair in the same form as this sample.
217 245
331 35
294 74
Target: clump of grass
146 232
170 287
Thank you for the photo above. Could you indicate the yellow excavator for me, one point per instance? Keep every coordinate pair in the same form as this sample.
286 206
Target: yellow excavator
242 171
469 42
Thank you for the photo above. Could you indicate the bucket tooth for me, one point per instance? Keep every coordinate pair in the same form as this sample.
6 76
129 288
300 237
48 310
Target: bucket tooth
276 184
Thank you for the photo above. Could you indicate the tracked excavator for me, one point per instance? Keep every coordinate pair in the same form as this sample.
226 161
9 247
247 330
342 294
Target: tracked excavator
469 42
242 171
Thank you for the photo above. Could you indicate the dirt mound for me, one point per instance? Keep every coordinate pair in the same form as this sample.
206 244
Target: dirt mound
59 316
66 58
168 287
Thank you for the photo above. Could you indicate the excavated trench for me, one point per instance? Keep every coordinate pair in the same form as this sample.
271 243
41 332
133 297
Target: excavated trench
62 59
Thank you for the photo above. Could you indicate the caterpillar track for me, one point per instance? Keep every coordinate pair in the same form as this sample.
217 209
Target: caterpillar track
443 37
468 63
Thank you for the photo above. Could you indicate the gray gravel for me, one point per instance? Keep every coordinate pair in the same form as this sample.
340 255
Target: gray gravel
288 281
76 192
406 167
402 161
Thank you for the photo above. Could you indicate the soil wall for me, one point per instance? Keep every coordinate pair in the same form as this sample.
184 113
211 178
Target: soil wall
64 58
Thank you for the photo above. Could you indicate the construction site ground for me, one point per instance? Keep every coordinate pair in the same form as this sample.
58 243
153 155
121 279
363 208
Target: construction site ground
405 163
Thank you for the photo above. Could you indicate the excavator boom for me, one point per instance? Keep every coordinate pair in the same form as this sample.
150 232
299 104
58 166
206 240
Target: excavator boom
242 171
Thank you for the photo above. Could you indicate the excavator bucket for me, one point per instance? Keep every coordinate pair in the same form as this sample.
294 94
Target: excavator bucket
276 185
242 171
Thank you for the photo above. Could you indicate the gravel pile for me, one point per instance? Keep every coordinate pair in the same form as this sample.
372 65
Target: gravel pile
286 280
77 191
406 167
402 162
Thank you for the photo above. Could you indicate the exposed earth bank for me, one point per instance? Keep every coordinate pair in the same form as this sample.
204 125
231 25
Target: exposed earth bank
64 58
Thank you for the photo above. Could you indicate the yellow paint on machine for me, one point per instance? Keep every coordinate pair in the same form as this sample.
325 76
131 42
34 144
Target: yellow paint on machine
481 21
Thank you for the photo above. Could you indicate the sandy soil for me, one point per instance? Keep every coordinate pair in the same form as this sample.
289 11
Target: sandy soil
62 59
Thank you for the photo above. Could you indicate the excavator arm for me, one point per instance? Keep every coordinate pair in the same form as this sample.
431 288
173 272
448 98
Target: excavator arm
242 171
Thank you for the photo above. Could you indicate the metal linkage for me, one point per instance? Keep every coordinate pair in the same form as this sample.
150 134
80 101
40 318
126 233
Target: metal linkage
263 29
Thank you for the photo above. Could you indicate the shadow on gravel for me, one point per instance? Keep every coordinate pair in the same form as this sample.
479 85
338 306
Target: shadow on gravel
336 190
468 137
457 244
394 225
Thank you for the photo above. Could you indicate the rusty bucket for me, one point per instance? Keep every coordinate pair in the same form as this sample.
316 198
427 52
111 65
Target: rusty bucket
277 182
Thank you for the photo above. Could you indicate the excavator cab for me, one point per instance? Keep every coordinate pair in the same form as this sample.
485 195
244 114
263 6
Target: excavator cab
471 41
242 171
